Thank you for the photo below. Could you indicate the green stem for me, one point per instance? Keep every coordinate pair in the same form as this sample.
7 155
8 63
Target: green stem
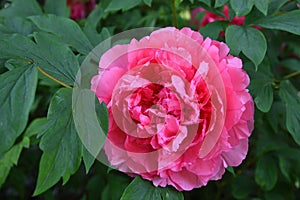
292 75
52 78
175 23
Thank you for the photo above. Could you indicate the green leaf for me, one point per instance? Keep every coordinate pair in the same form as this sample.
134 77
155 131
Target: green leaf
220 3
207 2
95 16
17 94
266 172
290 97
124 5
241 8
57 7
17 25
261 86
88 159
66 30
262 6
91 122
140 189
242 186
251 42
61 146
148 2
289 163
231 170
36 126
52 57
57 60
17 8
11 158
213 29
286 22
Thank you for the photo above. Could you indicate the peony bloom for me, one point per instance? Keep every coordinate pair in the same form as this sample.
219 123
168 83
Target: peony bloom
80 9
179 110
211 17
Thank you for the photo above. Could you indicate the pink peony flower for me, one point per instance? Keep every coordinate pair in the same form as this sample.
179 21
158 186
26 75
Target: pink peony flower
179 110
80 9
211 17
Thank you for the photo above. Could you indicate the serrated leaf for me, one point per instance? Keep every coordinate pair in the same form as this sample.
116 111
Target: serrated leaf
286 22
262 6
220 3
57 7
62 27
213 29
61 146
241 8
91 122
11 158
266 172
140 189
17 8
17 94
251 42
122 5
290 97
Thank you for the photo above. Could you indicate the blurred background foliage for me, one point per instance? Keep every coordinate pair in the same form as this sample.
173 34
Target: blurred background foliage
264 33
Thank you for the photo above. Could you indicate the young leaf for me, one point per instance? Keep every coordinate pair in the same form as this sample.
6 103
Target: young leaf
266 172
62 148
66 30
289 96
251 42
286 22
140 189
17 94
11 158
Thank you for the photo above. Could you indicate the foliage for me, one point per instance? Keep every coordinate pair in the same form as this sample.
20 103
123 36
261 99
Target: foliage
41 50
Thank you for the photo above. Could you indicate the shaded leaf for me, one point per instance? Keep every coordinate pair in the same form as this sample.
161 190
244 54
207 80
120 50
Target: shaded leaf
266 172
61 146
290 97
140 189
11 158
17 95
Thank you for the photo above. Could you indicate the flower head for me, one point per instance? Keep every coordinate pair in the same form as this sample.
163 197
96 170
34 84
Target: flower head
179 110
